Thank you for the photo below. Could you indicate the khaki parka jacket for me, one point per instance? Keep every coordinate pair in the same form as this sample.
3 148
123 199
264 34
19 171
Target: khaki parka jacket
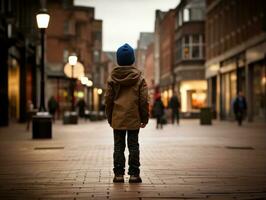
126 99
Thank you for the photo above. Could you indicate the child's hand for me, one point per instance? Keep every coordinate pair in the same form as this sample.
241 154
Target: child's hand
142 125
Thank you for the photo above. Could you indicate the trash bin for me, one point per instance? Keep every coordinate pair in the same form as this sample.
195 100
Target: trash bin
42 125
70 118
205 116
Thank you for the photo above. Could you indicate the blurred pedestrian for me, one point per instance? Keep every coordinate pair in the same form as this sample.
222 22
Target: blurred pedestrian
174 105
127 111
158 109
52 106
240 107
81 107
30 113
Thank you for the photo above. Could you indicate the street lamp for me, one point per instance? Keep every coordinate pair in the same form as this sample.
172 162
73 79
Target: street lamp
42 121
99 91
42 21
72 60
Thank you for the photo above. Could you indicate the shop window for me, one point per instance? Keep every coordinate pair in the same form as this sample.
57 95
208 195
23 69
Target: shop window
259 91
198 99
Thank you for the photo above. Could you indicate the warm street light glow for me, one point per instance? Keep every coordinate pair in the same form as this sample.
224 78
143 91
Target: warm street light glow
72 59
78 70
43 19
100 91
90 83
84 80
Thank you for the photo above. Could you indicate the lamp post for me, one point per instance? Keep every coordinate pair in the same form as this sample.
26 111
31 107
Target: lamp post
42 21
42 121
72 60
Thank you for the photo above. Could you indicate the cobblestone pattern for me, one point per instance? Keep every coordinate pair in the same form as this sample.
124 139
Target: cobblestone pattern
186 162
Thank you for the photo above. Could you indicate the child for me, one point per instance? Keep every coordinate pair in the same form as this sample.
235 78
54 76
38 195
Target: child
126 101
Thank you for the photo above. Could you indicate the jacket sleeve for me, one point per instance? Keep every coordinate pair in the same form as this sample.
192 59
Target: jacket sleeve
144 102
109 102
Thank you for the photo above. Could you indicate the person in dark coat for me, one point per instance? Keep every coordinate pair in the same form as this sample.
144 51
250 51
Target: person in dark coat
240 107
174 105
81 106
52 106
158 109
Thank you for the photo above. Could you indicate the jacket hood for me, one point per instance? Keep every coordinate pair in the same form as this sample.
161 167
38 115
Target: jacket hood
125 76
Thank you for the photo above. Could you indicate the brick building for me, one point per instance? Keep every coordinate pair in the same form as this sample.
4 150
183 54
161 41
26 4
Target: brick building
144 40
235 56
166 54
72 29
149 70
158 18
189 55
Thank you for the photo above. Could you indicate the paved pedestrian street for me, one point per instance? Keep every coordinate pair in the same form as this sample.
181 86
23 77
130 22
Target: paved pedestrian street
222 161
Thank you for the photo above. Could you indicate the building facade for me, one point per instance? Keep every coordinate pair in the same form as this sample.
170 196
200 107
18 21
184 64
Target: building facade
144 40
166 55
72 29
158 18
235 56
189 56
149 71
19 67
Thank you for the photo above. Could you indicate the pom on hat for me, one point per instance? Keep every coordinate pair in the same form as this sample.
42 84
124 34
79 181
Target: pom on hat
125 55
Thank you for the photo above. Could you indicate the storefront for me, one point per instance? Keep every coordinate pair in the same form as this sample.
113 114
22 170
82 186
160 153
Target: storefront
256 82
258 71
193 95
13 89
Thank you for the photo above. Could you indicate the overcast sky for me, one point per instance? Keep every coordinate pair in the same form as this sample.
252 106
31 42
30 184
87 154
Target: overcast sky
123 20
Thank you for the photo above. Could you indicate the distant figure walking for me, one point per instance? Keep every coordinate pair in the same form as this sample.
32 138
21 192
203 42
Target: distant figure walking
158 109
52 106
127 111
81 107
174 105
240 107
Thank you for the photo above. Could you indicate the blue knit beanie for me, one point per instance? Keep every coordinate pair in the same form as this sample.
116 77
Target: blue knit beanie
125 55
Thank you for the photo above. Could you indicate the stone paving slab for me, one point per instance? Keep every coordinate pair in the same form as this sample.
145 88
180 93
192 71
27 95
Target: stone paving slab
185 162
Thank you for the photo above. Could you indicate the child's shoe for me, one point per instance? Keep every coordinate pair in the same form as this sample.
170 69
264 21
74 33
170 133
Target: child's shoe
135 179
118 179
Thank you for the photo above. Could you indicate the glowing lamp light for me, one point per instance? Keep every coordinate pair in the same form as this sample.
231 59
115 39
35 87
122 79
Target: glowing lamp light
89 83
43 19
72 60
100 91
263 81
78 70
84 80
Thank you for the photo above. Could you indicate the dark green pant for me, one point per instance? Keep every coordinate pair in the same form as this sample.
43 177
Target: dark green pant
119 148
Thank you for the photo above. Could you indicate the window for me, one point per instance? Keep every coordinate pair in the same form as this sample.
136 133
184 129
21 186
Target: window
192 46
195 52
178 50
96 55
196 14
180 20
65 55
186 13
66 27
193 14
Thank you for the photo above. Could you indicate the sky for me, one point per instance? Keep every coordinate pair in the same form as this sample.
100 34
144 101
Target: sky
123 20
